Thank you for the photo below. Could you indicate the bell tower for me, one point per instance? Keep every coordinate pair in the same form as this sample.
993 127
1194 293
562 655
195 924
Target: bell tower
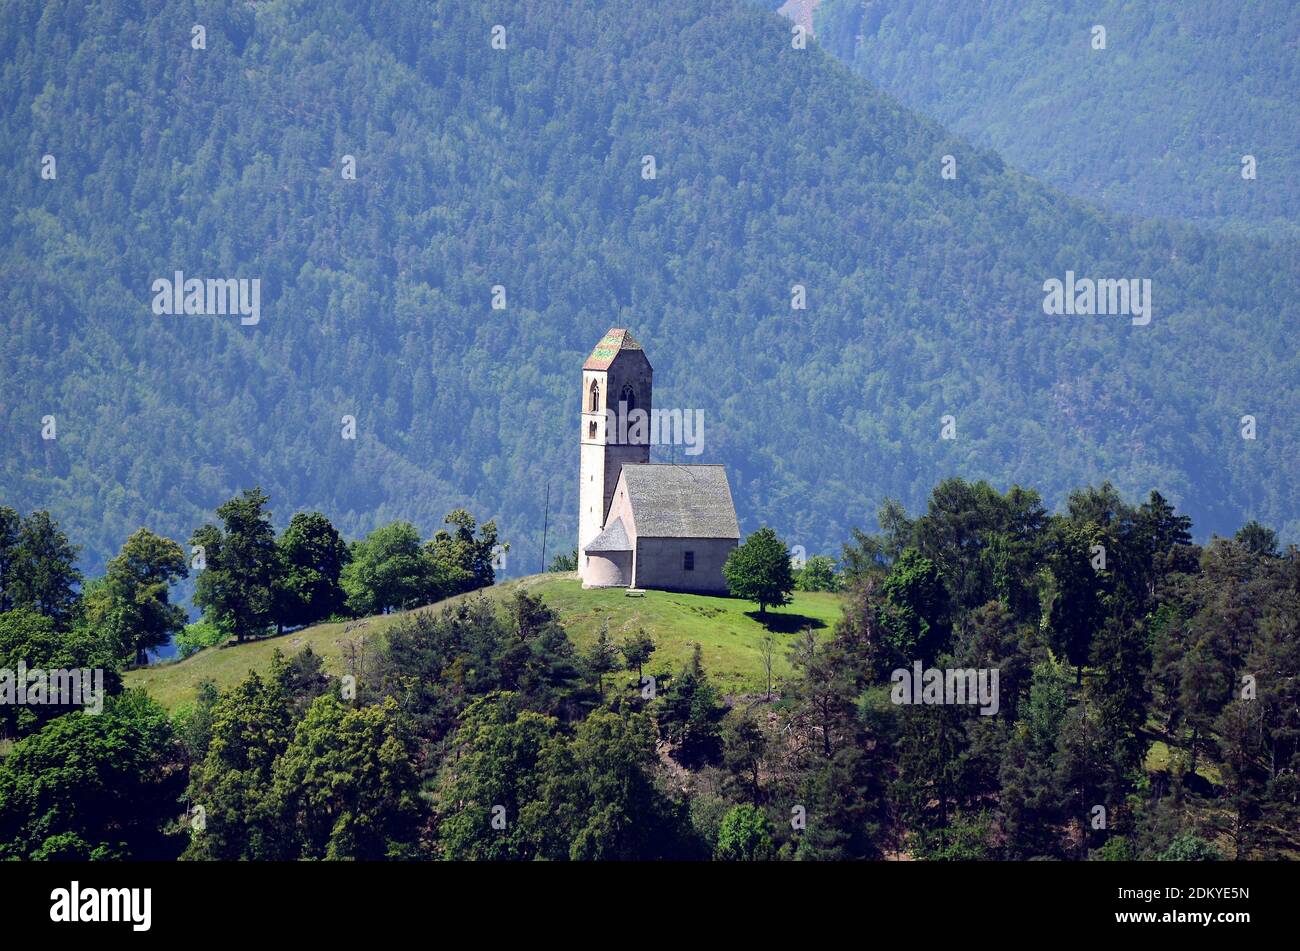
617 382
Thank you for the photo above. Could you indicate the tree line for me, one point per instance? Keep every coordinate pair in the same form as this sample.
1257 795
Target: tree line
1148 697
250 582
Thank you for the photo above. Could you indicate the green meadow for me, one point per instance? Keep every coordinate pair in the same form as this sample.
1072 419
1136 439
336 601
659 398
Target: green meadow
730 634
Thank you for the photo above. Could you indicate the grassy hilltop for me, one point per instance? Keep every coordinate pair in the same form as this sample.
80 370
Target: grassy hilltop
727 629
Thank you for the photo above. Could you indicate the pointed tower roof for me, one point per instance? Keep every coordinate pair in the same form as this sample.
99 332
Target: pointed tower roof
615 341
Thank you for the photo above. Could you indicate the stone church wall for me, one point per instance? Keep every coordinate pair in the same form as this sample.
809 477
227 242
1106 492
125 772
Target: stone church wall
660 564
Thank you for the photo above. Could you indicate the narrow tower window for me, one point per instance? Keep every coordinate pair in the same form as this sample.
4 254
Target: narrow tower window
628 398
595 397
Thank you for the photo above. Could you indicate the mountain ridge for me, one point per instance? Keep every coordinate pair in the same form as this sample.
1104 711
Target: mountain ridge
523 168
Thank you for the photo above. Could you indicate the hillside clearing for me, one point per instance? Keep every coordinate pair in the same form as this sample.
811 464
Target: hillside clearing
727 630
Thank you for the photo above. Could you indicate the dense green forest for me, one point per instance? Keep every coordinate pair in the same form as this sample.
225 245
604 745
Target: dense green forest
1143 704
1155 124
523 167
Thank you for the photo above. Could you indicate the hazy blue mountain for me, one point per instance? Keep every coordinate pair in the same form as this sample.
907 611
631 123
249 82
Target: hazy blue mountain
523 167
1154 124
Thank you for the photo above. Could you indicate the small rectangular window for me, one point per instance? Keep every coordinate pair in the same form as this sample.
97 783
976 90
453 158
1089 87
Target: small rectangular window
688 561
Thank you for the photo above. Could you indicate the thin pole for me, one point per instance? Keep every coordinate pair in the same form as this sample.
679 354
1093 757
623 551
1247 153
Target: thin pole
546 515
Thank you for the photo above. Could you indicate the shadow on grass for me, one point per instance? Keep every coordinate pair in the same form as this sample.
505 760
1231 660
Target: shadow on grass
779 623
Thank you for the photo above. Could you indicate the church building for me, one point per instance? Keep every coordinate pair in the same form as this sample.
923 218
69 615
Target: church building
643 524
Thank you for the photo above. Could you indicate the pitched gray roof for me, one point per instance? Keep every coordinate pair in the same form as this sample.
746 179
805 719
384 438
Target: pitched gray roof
671 501
613 538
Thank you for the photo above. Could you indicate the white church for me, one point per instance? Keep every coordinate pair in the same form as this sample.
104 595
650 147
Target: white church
642 524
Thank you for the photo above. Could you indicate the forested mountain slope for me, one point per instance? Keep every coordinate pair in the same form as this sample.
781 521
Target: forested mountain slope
1154 124
523 168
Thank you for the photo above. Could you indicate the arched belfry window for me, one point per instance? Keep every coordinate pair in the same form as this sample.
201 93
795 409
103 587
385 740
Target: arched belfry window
628 397
595 397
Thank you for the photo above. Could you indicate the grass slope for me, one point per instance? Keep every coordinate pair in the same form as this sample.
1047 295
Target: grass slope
728 631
